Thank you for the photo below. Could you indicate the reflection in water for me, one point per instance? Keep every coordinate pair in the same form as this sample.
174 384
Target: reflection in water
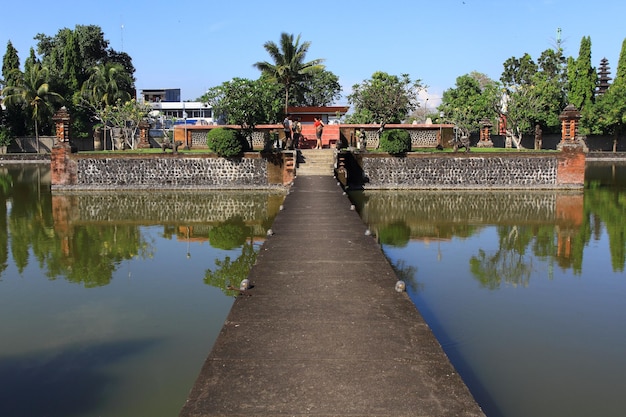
152 269
523 290
84 237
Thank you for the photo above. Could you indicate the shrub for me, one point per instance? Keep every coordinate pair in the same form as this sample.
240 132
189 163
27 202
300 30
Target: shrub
226 142
395 141
5 136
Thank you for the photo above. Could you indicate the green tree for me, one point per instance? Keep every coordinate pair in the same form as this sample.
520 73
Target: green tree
31 60
70 55
473 98
103 85
384 99
289 67
532 94
582 76
10 65
321 89
15 116
73 70
33 91
246 102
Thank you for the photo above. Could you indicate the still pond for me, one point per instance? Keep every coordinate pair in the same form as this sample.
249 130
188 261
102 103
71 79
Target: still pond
110 302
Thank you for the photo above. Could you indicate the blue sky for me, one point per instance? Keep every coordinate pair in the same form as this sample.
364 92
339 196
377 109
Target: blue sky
200 44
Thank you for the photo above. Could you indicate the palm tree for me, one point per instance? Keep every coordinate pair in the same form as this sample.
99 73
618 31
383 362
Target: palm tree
103 85
33 90
102 90
289 67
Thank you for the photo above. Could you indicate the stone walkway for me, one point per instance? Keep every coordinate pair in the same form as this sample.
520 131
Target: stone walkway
323 331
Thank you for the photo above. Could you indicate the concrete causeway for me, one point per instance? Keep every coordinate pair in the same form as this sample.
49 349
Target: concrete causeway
322 331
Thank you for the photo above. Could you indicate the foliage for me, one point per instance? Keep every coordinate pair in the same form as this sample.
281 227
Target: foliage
533 93
33 92
384 99
245 102
396 234
474 98
10 65
229 235
395 141
582 77
289 67
322 88
608 114
5 136
127 117
225 142
228 272
70 56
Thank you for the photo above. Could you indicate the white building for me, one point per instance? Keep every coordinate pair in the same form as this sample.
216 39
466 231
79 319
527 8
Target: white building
167 104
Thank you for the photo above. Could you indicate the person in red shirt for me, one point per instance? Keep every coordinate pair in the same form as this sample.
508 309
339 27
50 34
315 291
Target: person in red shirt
319 129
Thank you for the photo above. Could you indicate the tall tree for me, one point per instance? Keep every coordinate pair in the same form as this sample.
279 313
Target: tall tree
582 76
31 60
72 72
10 65
14 117
384 98
289 66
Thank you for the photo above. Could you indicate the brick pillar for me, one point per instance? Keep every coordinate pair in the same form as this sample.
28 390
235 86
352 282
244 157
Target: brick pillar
60 164
62 167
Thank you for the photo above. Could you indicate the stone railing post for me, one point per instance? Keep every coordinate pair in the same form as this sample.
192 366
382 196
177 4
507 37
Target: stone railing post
144 135
569 118
485 134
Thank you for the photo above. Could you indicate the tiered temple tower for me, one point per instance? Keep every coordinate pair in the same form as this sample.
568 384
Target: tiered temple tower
603 76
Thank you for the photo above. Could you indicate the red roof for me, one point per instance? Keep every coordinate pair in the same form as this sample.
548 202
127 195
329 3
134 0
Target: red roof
318 110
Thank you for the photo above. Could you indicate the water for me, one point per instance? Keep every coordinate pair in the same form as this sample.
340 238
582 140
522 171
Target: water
525 291
110 303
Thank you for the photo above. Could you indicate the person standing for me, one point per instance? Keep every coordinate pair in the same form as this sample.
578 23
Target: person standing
319 129
296 127
287 130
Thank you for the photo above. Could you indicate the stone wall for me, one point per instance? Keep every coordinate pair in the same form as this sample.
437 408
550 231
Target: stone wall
465 171
169 171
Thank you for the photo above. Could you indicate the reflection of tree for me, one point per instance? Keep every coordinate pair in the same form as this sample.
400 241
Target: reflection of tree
509 263
95 252
394 234
608 206
5 187
229 272
230 234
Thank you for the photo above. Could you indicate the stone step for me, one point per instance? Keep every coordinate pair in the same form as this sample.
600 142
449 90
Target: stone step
315 162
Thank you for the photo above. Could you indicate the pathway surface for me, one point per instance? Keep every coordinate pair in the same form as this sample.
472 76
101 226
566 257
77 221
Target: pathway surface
323 331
